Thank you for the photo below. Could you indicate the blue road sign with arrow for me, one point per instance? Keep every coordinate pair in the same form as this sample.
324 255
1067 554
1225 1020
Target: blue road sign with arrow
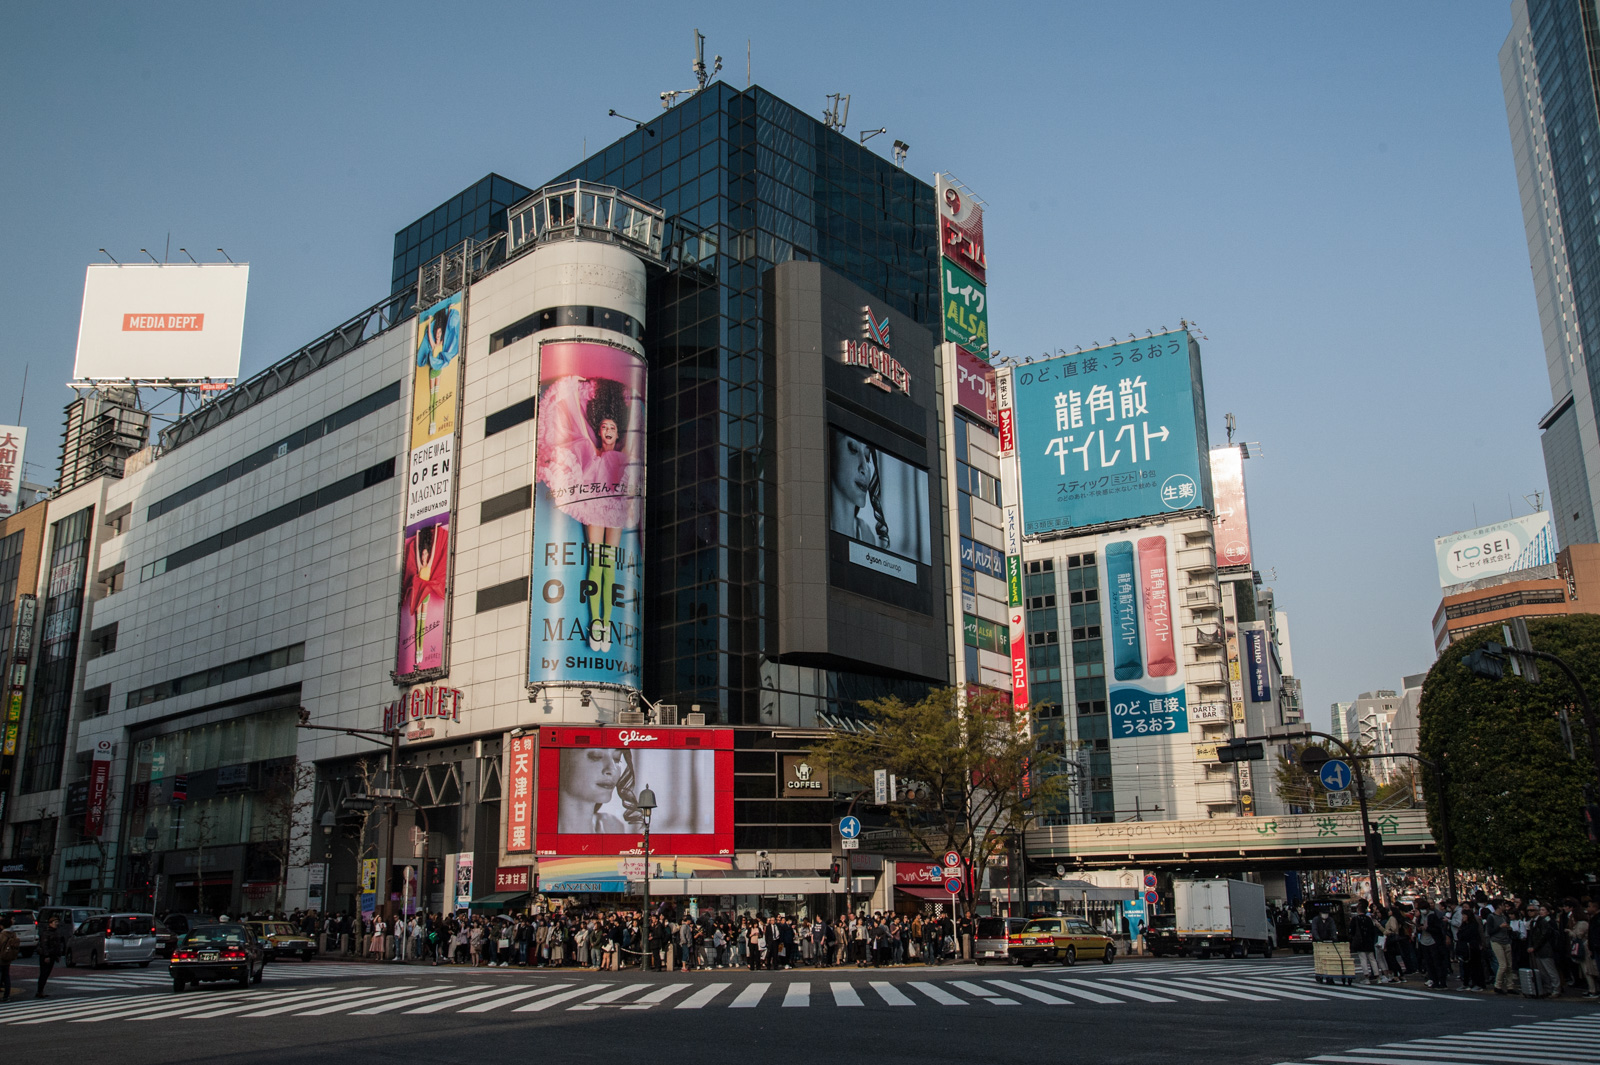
849 827
1335 774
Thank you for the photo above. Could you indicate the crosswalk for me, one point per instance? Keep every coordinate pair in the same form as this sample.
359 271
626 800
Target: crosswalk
1567 1041
585 993
86 980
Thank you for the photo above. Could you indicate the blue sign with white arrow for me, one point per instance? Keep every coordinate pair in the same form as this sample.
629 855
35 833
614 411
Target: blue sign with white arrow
849 827
1335 774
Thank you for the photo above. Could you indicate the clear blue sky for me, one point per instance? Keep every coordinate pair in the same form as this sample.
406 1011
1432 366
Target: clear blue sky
1326 188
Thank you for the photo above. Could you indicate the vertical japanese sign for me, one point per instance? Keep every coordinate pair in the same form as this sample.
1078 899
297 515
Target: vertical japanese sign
13 443
1013 542
1231 521
94 818
369 886
966 309
974 386
1112 434
519 791
430 490
1147 692
17 680
587 595
961 228
1255 661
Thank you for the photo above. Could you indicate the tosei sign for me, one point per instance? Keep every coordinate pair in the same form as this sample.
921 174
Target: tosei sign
1520 543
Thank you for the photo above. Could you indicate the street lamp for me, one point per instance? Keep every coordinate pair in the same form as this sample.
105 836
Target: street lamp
647 803
150 837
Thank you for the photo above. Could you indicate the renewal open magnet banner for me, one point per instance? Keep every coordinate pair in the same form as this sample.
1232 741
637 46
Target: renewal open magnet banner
587 595
430 489
1146 668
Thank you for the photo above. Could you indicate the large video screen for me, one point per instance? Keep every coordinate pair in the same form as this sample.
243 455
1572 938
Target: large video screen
590 780
880 504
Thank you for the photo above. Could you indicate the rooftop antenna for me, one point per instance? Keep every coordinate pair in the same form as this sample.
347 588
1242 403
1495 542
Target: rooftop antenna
867 134
747 62
837 116
701 75
614 113
1232 424
900 150
1535 500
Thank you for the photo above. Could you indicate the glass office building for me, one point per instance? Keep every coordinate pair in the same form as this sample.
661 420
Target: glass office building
747 182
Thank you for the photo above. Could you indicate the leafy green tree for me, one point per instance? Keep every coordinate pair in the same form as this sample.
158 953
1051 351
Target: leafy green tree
972 775
1515 795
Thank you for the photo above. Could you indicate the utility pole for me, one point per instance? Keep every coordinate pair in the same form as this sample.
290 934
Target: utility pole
393 788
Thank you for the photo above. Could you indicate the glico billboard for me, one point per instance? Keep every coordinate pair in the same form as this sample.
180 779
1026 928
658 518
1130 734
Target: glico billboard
587 594
1112 434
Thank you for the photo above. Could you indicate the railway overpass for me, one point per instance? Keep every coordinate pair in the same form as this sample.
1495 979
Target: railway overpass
1300 841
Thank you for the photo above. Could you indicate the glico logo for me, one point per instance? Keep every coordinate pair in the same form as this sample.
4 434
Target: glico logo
872 352
629 737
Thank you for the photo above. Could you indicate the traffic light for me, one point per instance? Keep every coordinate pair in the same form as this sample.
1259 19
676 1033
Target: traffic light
834 871
1488 661
1375 845
1240 751
1312 759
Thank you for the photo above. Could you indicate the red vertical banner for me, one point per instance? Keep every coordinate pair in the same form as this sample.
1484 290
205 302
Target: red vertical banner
1019 659
94 818
519 796
1161 656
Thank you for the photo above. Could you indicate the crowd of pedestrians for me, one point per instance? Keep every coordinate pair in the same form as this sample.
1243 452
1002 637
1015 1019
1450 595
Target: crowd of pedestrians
616 939
1480 943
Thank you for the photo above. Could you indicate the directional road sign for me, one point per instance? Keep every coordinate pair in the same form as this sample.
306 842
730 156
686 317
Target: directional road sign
849 827
1335 774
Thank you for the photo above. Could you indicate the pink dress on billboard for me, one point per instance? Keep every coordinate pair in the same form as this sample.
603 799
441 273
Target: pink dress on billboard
586 483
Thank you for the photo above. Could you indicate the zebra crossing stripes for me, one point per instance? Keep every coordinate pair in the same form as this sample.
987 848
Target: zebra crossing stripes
1568 1041
699 999
750 997
514 996
797 994
844 994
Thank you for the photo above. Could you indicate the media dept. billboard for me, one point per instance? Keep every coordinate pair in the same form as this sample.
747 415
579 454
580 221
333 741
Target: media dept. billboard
588 565
161 321
1112 434
1145 664
1520 543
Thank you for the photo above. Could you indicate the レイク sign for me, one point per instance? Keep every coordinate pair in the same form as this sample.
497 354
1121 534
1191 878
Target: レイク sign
423 703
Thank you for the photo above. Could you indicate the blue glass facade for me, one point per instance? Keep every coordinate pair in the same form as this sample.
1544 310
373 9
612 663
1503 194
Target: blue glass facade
747 182
478 212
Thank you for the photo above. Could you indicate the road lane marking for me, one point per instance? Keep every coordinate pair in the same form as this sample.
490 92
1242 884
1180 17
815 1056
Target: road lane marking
699 999
749 997
656 997
844 994
938 994
891 994
798 993
1019 989
564 996
515 996
983 992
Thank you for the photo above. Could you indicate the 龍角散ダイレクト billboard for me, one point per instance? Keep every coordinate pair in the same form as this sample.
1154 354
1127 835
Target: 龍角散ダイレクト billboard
587 600
1111 434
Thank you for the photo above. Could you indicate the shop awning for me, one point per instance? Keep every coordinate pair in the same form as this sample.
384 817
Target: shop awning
932 894
502 899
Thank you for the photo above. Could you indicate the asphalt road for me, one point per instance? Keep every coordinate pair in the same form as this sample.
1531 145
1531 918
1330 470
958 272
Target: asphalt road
1183 1010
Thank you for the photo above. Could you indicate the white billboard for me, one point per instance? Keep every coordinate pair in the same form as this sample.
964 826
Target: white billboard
13 441
1520 543
161 321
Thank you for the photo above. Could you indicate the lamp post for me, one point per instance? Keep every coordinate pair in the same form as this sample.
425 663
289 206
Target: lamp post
150 837
647 803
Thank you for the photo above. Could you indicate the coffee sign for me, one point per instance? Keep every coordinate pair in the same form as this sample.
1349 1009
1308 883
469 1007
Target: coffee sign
801 776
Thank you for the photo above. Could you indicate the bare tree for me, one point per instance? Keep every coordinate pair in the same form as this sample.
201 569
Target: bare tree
285 828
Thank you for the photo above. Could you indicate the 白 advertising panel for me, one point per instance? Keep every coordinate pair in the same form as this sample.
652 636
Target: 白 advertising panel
1520 543
966 309
1232 520
588 551
161 321
1112 434
960 228
430 490
879 504
974 386
589 782
13 445
1145 679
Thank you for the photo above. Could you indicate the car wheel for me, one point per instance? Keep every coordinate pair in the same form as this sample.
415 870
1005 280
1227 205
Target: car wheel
178 984
145 964
1070 957
244 977
1026 963
1111 952
306 956
259 974
96 961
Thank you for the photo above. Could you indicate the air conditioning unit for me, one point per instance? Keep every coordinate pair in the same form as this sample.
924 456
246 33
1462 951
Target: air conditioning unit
694 720
667 714
630 717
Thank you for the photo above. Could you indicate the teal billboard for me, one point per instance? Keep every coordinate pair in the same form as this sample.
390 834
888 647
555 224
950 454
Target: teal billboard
1112 434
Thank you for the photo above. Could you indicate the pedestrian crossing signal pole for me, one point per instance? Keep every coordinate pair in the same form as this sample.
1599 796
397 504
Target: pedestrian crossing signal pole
647 803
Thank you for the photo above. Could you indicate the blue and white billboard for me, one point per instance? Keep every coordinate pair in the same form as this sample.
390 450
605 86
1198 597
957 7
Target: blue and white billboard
1256 665
1112 434
1520 543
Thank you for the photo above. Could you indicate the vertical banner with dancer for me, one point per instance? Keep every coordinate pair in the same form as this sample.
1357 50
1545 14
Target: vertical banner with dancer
430 490
588 565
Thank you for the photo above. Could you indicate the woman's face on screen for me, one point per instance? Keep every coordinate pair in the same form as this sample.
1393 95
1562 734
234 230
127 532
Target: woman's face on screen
853 468
590 775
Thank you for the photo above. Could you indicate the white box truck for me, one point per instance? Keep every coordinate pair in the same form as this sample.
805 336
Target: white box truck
1222 917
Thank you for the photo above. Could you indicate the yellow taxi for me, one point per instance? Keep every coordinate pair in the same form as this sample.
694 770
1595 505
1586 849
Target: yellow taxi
279 939
1062 939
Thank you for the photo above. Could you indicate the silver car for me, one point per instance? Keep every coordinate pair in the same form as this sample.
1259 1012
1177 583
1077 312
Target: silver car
26 926
113 939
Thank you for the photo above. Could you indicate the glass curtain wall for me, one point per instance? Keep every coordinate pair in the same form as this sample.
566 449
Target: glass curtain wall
58 652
